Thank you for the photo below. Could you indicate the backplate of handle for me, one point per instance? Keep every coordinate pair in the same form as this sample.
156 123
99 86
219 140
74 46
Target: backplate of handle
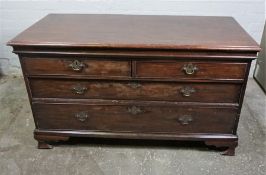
79 89
185 119
82 116
190 68
187 91
135 110
77 65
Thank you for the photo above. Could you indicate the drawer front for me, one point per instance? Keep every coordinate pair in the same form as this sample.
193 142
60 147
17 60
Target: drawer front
190 70
177 119
83 67
125 90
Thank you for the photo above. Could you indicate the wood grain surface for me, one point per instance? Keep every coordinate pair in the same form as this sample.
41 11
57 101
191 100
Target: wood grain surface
142 90
137 31
148 119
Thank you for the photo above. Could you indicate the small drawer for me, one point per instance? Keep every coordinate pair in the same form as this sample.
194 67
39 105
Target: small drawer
80 67
190 70
130 118
126 90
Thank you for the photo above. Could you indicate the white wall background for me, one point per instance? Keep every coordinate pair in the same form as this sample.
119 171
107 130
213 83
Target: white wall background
15 16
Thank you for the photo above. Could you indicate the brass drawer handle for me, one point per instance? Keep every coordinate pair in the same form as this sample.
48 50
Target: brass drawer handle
185 119
134 85
77 65
190 68
78 89
187 91
82 116
134 110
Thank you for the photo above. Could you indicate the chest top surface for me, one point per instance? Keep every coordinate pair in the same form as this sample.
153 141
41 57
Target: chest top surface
137 31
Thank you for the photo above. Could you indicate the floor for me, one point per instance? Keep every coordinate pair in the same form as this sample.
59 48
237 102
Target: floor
18 153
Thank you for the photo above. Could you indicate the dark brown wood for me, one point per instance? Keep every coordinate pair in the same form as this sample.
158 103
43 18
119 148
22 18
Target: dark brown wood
134 135
53 66
148 54
135 118
158 79
206 70
136 31
137 90
228 141
229 144
242 94
128 102
136 77
44 140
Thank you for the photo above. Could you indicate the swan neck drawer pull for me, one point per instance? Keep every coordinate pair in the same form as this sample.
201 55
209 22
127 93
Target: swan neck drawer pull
134 110
187 91
190 69
78 89
82 116
185 119
77 65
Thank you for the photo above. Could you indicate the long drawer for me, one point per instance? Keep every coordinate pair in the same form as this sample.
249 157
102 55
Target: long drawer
190 70
76 67
128 90
127 118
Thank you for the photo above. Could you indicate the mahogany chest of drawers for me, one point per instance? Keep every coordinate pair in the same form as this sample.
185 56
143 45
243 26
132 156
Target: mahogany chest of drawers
136 77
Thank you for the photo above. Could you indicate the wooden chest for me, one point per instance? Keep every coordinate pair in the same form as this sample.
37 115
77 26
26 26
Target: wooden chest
136 77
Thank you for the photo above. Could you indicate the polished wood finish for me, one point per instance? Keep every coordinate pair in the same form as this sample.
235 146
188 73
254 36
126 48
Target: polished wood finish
136 90
206 70
136 77
131 118
230 145
44 66
43 140
137 31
